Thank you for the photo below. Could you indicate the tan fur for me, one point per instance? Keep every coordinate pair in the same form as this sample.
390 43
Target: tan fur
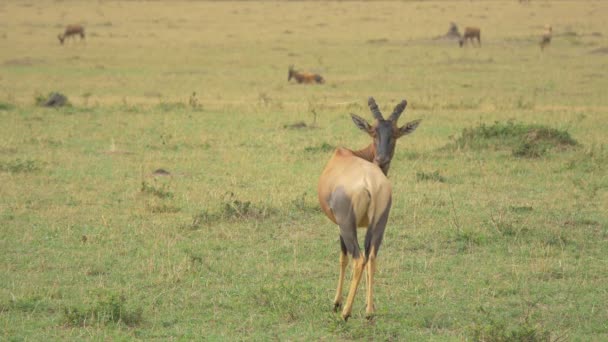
545 38
359 177
72 31
304 77
470 34
354 192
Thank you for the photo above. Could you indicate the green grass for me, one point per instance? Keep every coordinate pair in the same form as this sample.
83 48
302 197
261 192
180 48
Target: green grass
498 229
524 140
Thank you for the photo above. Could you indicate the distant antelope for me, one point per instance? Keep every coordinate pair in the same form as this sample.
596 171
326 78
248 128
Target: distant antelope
470 33
304 77
354 191
545 38
71 31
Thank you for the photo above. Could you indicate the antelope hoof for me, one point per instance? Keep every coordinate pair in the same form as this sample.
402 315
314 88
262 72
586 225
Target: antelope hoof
370 316
337 306
345 317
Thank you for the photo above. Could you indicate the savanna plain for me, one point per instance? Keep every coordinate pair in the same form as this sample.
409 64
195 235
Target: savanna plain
174 198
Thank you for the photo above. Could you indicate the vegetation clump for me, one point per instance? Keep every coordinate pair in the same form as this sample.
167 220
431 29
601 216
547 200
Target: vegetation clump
6 106
232 209
112 309
524 140
422 176
499 332
324 147
20 166
155 191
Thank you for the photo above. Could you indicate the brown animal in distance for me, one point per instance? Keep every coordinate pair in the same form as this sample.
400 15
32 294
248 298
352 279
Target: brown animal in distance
304 77
354 192
470 33
545 38
71 31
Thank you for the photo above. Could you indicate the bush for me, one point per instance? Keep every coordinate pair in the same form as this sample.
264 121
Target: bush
523 140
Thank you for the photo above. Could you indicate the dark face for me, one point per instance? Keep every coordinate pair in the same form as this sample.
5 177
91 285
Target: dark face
291 72
384 133
385 139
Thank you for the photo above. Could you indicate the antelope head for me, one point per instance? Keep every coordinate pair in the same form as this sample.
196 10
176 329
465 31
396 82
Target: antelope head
384 133
61 38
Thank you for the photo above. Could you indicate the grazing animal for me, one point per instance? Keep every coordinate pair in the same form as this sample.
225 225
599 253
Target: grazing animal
71 31
545 38
470 33
354 191
304 77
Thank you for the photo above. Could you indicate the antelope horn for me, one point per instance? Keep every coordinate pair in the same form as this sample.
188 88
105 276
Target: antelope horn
398 110
374 108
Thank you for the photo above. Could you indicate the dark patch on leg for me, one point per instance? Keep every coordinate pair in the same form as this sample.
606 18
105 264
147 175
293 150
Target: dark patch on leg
343 246
342 208
374 235
368 242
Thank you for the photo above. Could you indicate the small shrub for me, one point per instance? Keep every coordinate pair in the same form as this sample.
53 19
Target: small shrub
20 166
509 229
153 190
232 209
430 176
529 150
301 204
112 309
505 227
163 208
324 147
521 209
201 218
465 240
6 106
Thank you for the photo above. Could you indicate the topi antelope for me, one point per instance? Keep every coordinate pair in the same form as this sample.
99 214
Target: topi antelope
304 77
354 191
470 33
71 31
545 39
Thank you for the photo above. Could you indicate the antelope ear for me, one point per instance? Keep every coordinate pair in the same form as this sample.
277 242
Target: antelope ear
408 128
361 123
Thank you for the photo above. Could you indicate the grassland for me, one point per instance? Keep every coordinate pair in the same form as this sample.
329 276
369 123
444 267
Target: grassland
491 237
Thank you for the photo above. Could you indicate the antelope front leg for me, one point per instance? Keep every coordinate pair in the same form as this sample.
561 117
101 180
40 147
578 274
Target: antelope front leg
358 267
343 264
